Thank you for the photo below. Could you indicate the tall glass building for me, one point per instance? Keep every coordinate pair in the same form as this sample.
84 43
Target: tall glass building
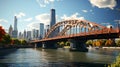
52 22
52 18
41 31
15 31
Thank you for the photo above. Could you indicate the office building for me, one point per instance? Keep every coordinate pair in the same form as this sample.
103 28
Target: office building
15 31
41 31
52 22
10 30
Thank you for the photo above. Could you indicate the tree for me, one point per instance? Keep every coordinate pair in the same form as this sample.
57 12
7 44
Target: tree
6 40
23 42
67 43
89 42
16 41
109 42
118 43
2 33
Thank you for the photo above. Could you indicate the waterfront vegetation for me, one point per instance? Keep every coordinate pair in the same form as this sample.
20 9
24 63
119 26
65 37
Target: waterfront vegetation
103 43
96 43
116 63
7 42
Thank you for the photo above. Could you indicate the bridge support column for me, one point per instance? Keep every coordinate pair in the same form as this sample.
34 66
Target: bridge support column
49 45
36 45
77 45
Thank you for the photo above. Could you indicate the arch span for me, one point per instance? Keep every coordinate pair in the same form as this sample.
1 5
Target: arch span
77 25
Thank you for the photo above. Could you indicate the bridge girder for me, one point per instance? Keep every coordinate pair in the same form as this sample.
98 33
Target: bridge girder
68 24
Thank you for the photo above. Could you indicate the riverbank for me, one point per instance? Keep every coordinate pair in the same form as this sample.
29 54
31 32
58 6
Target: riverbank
104 48
7 51
54 64
111 47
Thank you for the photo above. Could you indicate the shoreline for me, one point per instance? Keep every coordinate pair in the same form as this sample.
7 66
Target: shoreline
57 64
103 48
111 47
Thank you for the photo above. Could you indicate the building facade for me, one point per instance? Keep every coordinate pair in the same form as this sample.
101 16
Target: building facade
10 30
41 31
52 22
28 35
15 31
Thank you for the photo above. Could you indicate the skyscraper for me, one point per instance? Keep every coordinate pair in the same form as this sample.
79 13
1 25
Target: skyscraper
41 30
15 31
20 35
15 23
52 22
25 34
52 18
10 30
28 35
35 34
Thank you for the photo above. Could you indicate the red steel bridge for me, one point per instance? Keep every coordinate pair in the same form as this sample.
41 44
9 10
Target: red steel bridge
77 32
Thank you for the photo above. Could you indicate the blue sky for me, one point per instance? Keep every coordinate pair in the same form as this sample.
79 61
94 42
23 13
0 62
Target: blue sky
32 12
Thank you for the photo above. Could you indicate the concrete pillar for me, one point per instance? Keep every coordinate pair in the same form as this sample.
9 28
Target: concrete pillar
35 45
49 45
77 45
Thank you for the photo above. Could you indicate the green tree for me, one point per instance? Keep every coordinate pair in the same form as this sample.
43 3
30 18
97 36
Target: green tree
23 42
6 40
16 41
61 44
89 42
118 43
116 63
67 43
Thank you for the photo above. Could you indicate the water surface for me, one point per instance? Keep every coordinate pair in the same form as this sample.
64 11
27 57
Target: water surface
37 57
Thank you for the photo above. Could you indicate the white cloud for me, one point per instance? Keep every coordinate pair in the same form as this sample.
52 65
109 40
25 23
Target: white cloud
117 21
85 11
43 3
105 23
3 20
20 15
0 24
109 26
28 19
104 3
74 16
43 18
33 25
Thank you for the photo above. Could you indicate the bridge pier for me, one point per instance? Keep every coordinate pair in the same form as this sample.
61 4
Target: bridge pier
39 44
49 45
77 45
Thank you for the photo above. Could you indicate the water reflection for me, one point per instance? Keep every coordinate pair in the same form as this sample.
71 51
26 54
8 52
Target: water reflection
30 57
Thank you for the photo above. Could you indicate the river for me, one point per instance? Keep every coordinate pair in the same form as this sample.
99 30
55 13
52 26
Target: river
37 57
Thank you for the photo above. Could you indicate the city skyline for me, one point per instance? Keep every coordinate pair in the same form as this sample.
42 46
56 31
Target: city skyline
32 12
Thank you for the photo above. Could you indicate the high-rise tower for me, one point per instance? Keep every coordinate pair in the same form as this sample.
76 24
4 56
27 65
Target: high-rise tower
10 30
15 31
52 18
15 23
52 22
41 31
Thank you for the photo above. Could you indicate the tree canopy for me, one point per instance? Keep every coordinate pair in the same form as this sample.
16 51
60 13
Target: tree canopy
2 33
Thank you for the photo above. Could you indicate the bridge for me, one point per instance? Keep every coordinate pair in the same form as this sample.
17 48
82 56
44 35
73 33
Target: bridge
77 32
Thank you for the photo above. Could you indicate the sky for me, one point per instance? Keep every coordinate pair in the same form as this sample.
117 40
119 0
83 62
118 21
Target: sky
31 12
